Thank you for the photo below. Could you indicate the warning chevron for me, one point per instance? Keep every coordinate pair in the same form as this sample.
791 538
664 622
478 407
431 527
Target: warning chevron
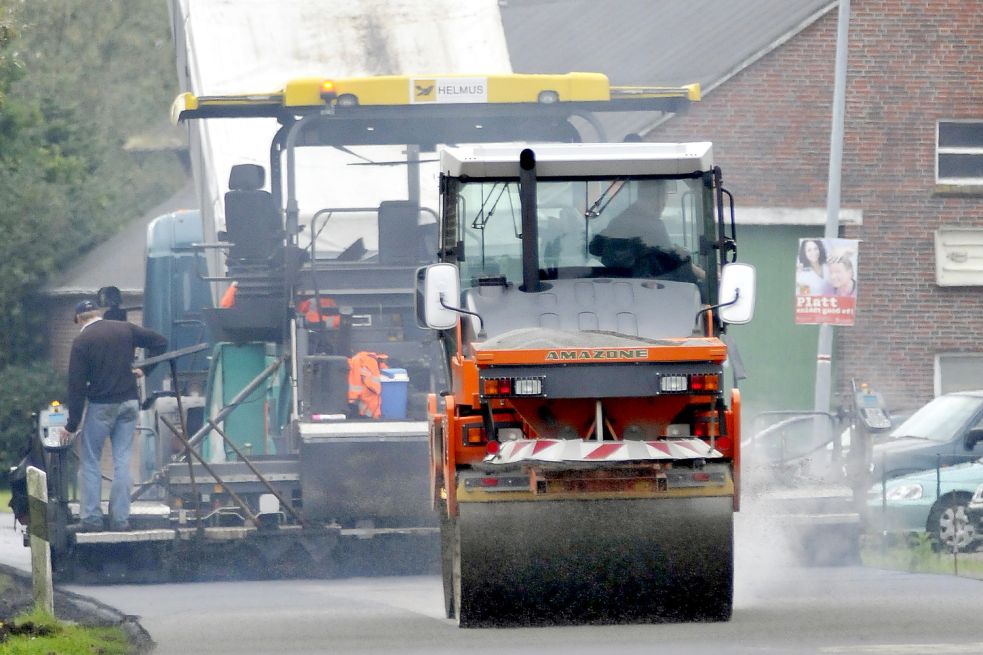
578 450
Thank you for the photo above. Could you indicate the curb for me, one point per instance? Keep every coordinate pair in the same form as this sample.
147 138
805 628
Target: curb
70 606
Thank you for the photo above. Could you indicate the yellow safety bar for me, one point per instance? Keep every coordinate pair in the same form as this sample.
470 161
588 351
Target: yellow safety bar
316 93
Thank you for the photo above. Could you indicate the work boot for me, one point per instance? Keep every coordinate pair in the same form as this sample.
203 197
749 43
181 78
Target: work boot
90 526
120 526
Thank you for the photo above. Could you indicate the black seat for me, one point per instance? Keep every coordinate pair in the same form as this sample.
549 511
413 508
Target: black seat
398 232
252 222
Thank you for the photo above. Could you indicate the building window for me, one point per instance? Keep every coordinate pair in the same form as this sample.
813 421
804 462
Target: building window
958 372
959 150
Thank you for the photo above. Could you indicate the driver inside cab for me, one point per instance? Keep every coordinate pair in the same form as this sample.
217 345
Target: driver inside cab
637 244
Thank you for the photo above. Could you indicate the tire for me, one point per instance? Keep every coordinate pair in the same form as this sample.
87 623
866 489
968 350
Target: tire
948 524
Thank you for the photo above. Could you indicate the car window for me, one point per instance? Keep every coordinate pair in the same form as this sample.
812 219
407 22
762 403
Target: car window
940 420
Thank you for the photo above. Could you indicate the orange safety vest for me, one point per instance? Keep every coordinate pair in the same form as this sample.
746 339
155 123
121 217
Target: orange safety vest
306 307
365 383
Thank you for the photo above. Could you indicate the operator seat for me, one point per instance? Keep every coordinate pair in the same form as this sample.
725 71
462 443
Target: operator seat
400 235
252 222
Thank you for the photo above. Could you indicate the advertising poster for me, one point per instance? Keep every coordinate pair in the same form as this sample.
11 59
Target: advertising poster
826 281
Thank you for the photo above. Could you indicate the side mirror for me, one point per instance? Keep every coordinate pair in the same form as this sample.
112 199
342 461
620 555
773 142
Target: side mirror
437 285
737 292
973 437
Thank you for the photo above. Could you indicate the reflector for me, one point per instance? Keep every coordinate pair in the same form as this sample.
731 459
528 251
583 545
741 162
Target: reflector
475 435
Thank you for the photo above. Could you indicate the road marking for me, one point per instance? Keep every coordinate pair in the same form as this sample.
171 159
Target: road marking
904 649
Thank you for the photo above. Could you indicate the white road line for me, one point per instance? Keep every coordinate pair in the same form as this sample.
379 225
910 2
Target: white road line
904 649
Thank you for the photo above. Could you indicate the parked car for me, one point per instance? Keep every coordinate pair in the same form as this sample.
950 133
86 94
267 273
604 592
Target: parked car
946 431
933 502
974 511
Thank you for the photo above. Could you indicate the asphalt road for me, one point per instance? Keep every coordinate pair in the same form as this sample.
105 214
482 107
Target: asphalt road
779 608
843 610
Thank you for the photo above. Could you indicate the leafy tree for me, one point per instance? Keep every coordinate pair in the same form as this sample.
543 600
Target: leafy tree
77 79
26 389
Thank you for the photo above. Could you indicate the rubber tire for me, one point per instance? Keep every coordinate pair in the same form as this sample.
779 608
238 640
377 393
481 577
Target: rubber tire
949 507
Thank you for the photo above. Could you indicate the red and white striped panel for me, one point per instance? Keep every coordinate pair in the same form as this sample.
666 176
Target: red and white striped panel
578 450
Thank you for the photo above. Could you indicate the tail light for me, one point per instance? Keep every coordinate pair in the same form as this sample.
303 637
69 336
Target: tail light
704 382
501 387
690 382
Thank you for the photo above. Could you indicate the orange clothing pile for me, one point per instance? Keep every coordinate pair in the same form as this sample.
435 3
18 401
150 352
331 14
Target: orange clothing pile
365 382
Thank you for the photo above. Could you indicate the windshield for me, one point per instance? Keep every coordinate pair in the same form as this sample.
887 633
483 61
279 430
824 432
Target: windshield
940 420
617 227
347 189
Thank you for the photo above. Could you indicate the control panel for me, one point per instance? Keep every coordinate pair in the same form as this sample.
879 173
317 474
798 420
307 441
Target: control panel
871 410
51 420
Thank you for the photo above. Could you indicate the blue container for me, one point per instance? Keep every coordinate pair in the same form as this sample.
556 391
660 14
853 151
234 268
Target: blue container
395 390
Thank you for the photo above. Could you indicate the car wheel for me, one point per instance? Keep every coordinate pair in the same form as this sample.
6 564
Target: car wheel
948 523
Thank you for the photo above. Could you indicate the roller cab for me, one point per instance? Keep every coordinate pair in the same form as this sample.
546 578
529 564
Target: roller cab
583 463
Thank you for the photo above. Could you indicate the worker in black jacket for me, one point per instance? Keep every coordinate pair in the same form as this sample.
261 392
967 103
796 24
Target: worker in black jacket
103 400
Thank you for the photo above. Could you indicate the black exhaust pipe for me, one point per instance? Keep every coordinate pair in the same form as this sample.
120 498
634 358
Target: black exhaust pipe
530 226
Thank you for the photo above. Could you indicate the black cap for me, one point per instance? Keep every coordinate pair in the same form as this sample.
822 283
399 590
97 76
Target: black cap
85 306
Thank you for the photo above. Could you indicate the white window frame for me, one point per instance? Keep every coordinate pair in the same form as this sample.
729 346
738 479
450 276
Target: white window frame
957 150
961 357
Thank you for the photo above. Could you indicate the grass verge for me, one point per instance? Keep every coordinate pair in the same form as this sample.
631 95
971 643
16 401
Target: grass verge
918 554
38 633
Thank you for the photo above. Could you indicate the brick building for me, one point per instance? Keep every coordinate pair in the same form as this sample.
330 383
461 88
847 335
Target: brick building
766 67
119 262
915 71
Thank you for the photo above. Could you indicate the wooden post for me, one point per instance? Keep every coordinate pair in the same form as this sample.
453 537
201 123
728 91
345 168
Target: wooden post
37 492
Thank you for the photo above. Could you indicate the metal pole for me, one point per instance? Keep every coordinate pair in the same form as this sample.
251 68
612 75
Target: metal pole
236 400
213 421
245 460
824 352
201 460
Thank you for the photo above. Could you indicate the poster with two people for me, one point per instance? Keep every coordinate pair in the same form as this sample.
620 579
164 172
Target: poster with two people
826 281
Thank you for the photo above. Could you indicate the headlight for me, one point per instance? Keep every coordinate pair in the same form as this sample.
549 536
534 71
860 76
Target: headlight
905 492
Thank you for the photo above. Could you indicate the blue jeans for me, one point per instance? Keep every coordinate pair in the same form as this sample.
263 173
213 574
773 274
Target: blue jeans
116 421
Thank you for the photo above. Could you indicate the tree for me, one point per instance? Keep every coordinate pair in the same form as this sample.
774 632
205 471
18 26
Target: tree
76 80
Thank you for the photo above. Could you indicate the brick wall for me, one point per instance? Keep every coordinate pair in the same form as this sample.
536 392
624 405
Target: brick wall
910 64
